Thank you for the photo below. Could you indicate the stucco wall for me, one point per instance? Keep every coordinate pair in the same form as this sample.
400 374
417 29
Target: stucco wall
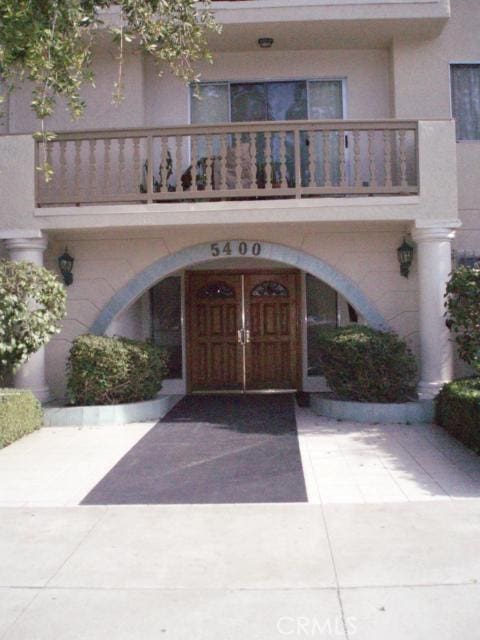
366 72
134 321
364 253
421 78
101 113
153 101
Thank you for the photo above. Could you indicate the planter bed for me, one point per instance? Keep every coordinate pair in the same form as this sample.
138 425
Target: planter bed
372 412
100 415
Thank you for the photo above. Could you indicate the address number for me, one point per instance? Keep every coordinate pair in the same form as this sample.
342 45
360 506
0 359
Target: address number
235 248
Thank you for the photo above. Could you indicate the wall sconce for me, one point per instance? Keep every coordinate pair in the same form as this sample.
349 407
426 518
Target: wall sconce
65 264
405 257
265 43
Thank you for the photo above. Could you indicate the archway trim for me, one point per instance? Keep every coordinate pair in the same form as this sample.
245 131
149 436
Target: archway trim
197 254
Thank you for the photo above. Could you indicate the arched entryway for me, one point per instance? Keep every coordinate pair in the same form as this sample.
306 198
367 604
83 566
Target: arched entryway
265 283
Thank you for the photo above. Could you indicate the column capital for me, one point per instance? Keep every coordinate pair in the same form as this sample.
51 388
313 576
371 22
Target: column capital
433 234
26 244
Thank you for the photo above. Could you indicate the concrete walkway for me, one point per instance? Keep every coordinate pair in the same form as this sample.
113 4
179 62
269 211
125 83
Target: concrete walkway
388 547
241 572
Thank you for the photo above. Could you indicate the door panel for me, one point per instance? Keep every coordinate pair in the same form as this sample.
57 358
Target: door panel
242 331
214 305
272 319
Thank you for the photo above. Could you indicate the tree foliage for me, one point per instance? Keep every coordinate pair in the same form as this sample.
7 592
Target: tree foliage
49 43
32 303
463 313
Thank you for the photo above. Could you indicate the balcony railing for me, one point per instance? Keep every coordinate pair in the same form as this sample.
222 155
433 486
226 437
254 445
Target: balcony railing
294 159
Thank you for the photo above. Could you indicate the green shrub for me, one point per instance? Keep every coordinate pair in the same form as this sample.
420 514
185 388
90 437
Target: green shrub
103 370
457 409
366 365
463 310
20 413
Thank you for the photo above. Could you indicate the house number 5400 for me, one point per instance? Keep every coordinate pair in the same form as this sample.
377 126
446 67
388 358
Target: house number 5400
235 248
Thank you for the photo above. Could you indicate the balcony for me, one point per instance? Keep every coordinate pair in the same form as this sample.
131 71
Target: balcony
239 161
304 24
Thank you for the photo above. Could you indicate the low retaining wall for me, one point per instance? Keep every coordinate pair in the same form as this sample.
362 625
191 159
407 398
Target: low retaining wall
99 415
373 412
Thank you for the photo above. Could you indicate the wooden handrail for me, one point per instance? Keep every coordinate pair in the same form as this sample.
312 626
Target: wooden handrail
294 158
229 127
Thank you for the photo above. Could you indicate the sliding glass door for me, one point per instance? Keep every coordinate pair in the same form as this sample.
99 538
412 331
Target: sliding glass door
272 102
217 102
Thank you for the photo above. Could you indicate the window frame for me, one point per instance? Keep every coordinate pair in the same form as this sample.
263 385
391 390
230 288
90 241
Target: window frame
451 64
307 80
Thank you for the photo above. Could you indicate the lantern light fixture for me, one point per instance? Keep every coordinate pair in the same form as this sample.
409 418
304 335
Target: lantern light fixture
405 257
65 264
265 43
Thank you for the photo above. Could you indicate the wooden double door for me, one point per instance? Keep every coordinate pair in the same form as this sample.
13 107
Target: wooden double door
242 330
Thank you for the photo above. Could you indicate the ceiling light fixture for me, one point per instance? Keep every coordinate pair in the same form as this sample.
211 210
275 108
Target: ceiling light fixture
265 43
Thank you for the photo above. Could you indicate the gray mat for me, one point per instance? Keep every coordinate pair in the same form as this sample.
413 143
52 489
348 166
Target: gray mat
212 449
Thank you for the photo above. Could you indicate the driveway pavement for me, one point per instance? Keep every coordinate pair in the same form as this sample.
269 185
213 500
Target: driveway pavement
387 547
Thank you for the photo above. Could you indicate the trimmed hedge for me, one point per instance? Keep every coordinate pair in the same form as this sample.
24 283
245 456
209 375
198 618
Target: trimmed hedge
102 370
457 409
365 365
20 413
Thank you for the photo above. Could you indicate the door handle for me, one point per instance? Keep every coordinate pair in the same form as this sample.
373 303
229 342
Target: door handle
240 336
247 336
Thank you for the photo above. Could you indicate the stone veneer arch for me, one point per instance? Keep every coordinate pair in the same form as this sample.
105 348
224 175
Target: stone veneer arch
197 254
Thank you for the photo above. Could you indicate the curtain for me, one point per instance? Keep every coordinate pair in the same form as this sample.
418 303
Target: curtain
325 100
212 104
209 106
466 100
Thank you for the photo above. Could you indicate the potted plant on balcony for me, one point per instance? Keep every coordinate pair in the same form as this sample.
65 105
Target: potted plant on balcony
164 175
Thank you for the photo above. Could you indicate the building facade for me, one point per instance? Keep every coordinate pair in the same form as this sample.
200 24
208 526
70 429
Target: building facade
227 223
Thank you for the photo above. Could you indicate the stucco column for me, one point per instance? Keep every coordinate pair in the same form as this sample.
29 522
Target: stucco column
434 266
31 375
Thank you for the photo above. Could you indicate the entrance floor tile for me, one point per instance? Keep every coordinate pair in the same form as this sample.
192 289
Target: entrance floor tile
212 461
58 466
351 462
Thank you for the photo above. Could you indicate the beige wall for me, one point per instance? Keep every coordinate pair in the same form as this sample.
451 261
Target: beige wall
366 73
365 253
153 101
101 113
17 182
421 79
134 321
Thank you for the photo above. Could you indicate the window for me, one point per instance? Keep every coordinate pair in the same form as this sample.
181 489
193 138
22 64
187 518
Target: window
269 289
166 306
322 308
465 80
272 102
267 101
216 290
